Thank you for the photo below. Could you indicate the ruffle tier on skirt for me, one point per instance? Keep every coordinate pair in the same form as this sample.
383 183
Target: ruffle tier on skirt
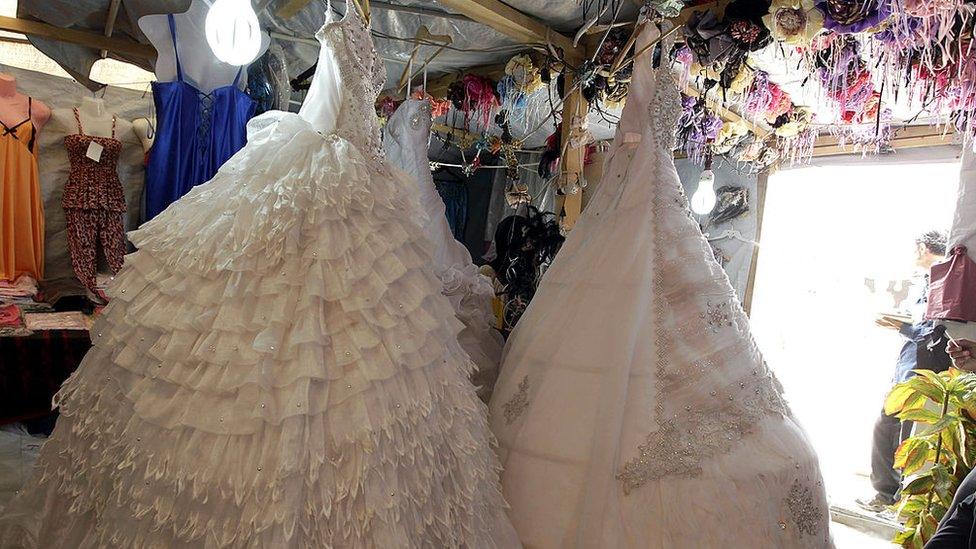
277 368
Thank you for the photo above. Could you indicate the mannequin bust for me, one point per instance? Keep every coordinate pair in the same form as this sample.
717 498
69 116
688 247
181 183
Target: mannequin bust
201 68
14 105
95 120
145 130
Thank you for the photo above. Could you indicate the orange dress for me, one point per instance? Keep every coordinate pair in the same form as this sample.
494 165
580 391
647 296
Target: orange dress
21 209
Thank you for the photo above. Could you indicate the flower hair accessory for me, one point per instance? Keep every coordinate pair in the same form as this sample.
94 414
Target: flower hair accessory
794 22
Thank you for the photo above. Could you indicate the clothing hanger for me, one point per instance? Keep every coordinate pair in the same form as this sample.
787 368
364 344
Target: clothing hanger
733 234
422 38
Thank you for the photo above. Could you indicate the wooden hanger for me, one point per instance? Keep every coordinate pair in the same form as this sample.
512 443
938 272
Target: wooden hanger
422 38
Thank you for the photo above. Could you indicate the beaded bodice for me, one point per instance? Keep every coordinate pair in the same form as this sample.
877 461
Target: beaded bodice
362 76
653 102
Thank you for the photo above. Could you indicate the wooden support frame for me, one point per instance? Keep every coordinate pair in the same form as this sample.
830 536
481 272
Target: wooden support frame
908 137
82 38
514 24
572 159
762 183
113 14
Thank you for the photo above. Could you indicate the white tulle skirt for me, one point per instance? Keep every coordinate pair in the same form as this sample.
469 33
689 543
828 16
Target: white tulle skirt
277 368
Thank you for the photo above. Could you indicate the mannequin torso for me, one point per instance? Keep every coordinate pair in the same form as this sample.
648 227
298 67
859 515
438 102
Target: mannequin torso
201 68
145 130
14 106
95 118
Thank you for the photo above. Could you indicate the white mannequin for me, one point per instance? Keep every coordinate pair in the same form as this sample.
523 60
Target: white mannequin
95 120
201 68
145 130
14 105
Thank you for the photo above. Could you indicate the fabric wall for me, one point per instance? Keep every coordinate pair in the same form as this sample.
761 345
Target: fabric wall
739 254
52 160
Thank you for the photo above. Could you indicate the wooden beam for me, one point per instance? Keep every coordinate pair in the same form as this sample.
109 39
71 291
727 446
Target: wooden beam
113 14
514 24
907 137
73 36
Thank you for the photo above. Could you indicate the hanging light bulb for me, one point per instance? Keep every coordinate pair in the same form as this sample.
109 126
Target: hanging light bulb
703 201
233 31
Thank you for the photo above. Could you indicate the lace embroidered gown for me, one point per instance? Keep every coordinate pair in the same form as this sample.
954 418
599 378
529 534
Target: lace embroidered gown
278 367
405 140
633 408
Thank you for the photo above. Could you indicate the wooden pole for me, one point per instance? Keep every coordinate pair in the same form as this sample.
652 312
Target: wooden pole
73 36
573 156
762 182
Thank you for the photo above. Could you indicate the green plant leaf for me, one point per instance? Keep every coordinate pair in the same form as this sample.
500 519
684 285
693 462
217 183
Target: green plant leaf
939 380
912 454
933 391
904 538
945 422
917 542
899 395
910 506
963 445
921 415
920 484
927 526
944 486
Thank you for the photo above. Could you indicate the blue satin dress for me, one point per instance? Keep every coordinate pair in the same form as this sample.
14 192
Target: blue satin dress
196 133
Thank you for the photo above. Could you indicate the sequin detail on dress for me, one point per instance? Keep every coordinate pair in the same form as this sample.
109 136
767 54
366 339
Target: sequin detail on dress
688 433
717 316
363 76
807 514
518 403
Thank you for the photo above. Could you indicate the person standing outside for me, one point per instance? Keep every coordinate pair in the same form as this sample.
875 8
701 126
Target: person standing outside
923 348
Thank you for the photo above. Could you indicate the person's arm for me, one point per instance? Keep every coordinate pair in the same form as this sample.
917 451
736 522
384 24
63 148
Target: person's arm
963 354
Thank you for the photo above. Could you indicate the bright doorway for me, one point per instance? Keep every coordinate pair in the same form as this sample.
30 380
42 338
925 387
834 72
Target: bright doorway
837 249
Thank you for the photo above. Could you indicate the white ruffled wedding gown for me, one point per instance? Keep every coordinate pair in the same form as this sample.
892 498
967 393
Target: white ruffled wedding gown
278 367
405 139
633 408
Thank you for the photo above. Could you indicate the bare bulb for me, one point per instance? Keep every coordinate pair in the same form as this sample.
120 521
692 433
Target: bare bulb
703 201
233 31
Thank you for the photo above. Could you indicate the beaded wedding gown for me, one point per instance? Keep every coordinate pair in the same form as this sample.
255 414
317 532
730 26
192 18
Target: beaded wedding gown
633 408
278 367
405 140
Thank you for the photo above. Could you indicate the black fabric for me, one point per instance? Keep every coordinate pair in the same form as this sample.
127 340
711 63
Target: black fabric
956 531
932 353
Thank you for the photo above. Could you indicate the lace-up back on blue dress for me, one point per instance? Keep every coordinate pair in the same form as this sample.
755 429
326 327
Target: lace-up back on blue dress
198 132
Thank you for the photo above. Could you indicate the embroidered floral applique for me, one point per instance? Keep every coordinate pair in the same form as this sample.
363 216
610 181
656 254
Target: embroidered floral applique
518 403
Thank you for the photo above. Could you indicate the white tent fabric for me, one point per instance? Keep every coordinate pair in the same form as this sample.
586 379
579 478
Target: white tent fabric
963 231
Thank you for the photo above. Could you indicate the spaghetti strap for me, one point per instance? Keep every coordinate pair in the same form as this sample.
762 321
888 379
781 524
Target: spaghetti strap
238 77
33 128
176 51
81 130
